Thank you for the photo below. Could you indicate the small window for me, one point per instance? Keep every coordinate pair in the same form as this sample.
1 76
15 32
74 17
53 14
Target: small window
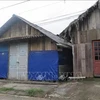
97 50
95 44
96 58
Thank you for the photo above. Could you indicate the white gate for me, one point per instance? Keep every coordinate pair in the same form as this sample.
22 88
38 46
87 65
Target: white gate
18 61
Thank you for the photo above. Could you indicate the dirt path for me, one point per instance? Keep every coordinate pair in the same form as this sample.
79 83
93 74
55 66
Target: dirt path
88 89
15 97
82 90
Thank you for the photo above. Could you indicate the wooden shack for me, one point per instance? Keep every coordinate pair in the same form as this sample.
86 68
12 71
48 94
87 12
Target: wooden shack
84 35
29 52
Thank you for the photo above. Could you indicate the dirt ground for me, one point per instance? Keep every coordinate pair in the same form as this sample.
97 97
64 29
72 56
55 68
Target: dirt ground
88 89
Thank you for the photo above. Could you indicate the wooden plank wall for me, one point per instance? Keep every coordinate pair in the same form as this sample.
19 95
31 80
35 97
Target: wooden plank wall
20 29
82 45
42 43
82 56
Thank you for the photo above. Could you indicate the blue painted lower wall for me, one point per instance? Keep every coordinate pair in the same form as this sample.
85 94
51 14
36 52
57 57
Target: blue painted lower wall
43 65
3 64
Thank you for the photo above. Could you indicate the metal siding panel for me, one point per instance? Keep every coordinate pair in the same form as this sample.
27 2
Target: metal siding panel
12 61
23 61
43 65
18 61
3 64
3 60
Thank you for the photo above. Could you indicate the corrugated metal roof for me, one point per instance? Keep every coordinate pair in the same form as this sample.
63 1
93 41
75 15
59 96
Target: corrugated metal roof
15 18
19 38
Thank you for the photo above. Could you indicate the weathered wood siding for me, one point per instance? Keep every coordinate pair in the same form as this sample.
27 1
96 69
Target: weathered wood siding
88 31
91 22
20 29
43 43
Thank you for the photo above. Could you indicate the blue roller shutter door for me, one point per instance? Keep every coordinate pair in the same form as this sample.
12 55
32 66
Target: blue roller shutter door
3 61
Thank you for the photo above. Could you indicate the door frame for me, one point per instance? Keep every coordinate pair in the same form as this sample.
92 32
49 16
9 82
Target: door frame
93 55
27 55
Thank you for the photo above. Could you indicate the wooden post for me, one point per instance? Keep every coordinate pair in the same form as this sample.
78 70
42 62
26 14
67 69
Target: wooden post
26 29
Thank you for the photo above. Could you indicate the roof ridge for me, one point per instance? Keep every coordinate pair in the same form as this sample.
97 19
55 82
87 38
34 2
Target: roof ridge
40 29
84 14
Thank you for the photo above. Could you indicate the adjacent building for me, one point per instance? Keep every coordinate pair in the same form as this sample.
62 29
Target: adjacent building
84 35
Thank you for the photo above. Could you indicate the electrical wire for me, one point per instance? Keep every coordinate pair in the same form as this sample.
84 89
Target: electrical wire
38 8
66 18
60 17
49 20
14 5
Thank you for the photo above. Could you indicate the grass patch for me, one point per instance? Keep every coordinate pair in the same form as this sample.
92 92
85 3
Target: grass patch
34 92
29 92
6 89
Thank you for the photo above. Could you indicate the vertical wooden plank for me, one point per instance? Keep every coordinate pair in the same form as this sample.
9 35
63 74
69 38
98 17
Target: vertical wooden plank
74 52
47 44
43 43
76 61
27 29
79 67
97 15
89 60
83 63
23 32
98 33
83 36
78 37
92 21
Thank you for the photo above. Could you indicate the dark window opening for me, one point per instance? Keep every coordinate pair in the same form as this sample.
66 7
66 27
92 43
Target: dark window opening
96 58
97 50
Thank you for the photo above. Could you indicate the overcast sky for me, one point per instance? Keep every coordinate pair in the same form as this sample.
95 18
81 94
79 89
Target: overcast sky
51 15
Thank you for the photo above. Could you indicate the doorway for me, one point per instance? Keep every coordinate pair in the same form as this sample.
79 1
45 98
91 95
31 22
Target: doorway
96 57
18 60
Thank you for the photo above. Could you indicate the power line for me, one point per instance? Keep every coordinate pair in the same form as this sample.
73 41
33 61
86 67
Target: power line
37 8
58 19
56 16
14 5
61 17
51 4
41 22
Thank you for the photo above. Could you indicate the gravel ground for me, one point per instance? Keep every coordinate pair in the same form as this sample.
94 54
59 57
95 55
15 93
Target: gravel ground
88 89
78 90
